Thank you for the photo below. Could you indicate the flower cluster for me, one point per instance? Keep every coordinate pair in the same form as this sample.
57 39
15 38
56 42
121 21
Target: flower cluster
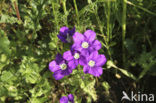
83 51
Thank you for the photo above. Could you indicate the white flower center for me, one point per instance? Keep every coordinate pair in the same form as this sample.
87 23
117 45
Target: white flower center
85 45
63 66
91 63
76 56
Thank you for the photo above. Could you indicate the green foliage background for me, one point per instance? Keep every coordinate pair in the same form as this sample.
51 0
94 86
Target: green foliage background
28 42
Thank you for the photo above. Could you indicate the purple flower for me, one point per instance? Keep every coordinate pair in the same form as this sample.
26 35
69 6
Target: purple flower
67 99
60 67
74 58
86 43
65 34
94 64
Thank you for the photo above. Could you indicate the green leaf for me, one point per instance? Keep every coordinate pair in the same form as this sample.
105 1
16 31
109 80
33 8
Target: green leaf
110 64
6 75
12 91
125 72
112 44
4 43
106 85
3 61
3 90
147 62
8 19
34 100
131 46
128 74
32 77
30 70
89 89
152 70
52 45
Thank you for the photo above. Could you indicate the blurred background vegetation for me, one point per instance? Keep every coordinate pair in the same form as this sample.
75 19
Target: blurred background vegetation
28 42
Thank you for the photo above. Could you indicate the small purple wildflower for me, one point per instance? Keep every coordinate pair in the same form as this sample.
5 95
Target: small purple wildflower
60 67
65 34
86 43
67 99
74 58
94 64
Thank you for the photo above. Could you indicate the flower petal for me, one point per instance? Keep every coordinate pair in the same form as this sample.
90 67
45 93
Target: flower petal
90 35
68 55
71 98
72 31
64 30
53 66
77 46
78 37
59 58
64 99
86 69
58 75
101 60
85 51
96 45
67 71
73 63
93 55
96 71
82 60
62 38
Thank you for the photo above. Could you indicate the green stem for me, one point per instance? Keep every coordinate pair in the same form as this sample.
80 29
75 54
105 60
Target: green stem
55 16
17 11
98 21
101 30
108 29
148 40
124 30
65 12
144 9
77 12
108 22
